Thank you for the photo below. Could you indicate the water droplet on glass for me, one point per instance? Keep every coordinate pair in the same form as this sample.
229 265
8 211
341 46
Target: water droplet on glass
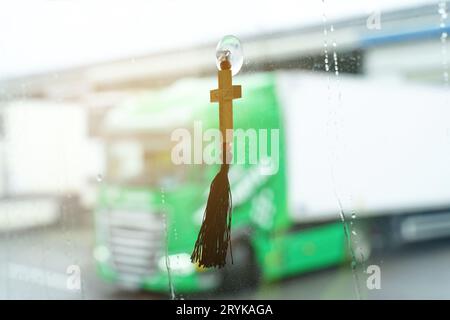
99 178
230 48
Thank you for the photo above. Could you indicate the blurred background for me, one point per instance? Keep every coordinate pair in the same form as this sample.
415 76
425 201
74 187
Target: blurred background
92 207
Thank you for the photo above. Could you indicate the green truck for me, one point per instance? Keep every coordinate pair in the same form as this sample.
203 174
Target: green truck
150 210
147 219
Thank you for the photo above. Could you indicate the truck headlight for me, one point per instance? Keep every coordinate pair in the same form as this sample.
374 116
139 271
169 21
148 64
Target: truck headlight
101 253
178 263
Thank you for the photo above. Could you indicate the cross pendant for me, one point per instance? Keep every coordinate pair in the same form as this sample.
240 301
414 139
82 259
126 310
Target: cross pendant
225 95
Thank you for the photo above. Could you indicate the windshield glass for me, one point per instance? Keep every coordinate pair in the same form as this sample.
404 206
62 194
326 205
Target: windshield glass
113 132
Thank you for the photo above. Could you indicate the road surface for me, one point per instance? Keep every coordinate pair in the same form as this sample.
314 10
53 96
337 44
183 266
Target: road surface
33 265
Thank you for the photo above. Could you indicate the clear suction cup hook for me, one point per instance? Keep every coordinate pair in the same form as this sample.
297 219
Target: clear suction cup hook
230 49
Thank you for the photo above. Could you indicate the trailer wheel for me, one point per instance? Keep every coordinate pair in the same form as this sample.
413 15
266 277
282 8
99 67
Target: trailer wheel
244 272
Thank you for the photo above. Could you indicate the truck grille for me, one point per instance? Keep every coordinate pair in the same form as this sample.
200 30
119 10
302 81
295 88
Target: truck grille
136 242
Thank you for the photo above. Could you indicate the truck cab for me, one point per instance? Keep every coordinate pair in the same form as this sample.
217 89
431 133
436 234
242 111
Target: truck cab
150 210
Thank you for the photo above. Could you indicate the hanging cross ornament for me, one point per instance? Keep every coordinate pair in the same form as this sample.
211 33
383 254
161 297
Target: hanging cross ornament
224 95
214 237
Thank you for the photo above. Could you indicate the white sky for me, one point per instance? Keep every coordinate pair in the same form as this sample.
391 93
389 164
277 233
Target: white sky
37 36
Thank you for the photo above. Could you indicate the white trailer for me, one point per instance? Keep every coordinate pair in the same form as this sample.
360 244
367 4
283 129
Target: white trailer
370 148
44 161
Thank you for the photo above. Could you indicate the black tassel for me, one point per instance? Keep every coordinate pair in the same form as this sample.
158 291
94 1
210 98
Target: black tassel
215 233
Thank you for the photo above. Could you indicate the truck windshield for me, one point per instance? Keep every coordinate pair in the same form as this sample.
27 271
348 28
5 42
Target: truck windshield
135 163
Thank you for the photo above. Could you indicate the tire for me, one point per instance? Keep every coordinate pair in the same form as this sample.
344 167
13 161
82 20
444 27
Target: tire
244 273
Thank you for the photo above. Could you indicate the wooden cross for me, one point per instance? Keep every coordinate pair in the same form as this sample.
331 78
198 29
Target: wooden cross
225 95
